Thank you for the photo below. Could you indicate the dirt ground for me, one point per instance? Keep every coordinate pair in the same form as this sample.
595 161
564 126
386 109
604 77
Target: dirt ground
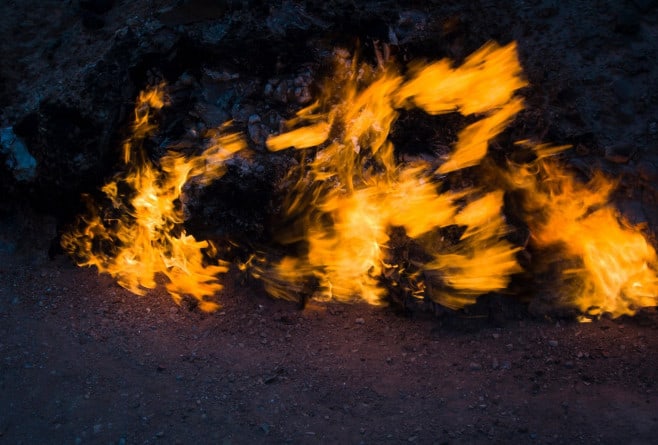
82 360
85 361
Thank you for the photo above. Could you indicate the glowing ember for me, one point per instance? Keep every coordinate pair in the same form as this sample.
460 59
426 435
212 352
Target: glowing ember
617 272
141 235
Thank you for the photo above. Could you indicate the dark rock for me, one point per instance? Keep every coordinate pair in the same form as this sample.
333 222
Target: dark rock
633 211
290 16
627 22
475 366
193 11
622 89
412 25
96 6
213 33
653 128
92 20
625 113
258 132
92 12
551 9
211 115
645 5
18 159
620 153
647 171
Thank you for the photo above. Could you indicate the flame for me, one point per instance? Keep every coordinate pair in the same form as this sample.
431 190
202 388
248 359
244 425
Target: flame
617 265
146 237
350 202
353 193
484 260
485 85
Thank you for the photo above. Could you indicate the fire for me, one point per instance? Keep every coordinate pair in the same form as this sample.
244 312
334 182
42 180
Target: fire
616 272
483 261
484 85
353 192
140 235
351 203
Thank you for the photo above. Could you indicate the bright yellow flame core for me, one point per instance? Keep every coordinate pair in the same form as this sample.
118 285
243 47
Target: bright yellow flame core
618 272
147 239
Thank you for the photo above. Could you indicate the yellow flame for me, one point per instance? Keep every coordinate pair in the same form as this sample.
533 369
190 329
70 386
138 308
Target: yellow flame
349 194
617 275
148 100
353 192
483 260
484 85
146 238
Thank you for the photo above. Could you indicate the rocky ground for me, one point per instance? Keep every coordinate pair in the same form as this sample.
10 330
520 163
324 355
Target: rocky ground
85 361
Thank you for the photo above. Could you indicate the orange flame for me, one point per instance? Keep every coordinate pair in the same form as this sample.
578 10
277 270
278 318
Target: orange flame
349 194
147 238
485 84
354 192
617 272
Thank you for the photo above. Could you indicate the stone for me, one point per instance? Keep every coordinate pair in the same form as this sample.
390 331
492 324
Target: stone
96 6
627 22
645 5
622 89
653 128
620 153
475 366
19 160
647 171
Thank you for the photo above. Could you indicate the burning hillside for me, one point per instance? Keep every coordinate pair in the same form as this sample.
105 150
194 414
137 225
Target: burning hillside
328 222
349 190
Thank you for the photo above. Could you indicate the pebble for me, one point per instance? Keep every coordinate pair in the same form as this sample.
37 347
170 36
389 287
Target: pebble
653 128
258 132
552 343
627 22
647 171
619 154
645 5
475 366
622 89
359 321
